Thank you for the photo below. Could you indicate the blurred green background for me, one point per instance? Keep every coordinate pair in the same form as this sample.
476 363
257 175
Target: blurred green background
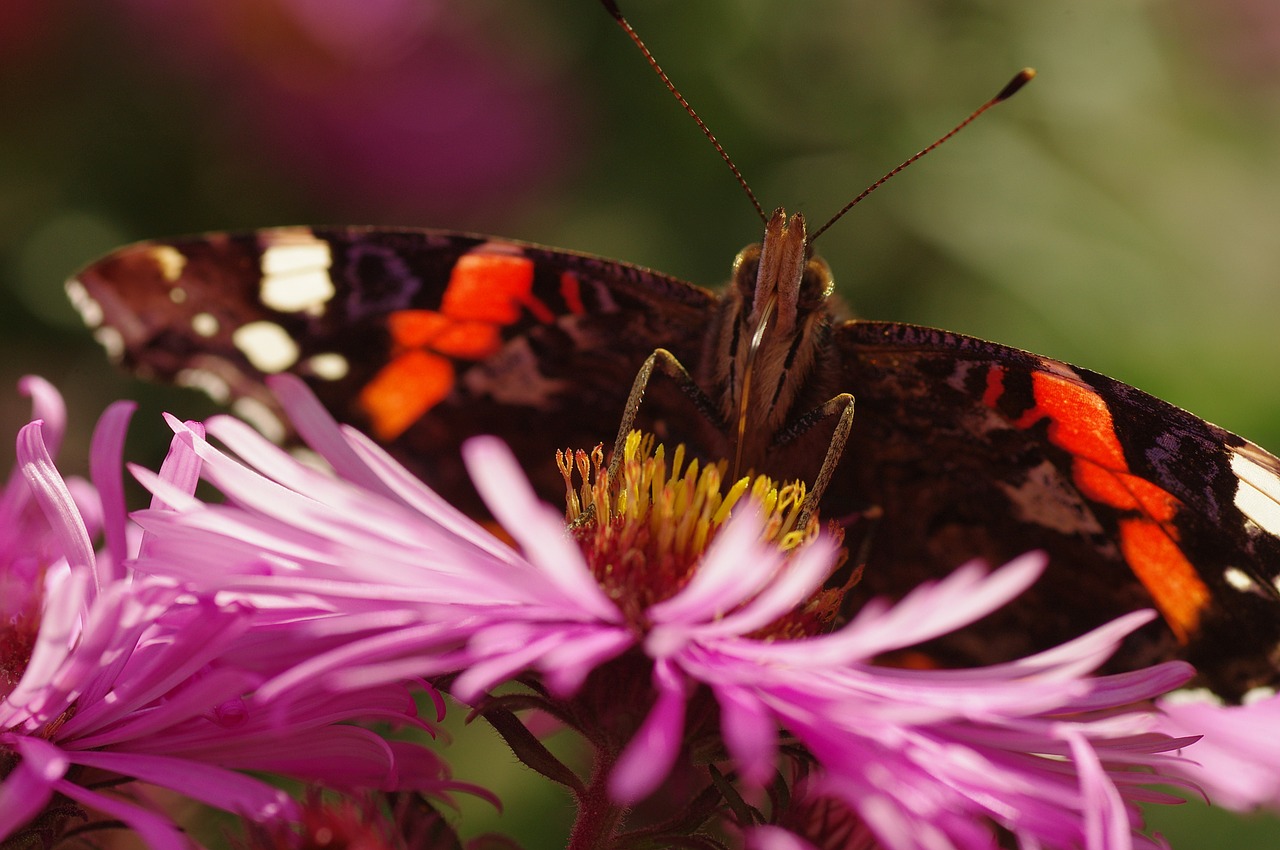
1122 213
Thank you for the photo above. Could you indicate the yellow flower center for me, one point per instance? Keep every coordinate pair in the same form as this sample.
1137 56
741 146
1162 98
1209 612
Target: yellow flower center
644 533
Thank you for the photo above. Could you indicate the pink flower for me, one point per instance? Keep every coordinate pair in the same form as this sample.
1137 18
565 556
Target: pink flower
1236 764
109 677
384 106
680 655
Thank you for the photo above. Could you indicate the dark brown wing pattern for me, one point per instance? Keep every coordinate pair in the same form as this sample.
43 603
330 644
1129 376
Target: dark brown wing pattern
972 449
420 337
959 448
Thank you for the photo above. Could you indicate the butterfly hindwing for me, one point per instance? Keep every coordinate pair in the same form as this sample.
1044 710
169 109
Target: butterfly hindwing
973 449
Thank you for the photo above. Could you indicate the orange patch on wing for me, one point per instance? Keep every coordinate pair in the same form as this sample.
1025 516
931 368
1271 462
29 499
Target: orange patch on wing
486 291
571 292
469 340
411 329
415 328
1124 491
405 389
995 386
1165 572
1081 423
492 288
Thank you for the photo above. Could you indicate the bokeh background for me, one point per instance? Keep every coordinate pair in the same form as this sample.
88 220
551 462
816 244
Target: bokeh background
1122 213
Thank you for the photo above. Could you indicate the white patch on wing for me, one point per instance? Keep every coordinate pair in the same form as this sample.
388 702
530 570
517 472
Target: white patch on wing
1192 696
111 340
205 324
1257 492
1045 499
261 417
1240 580
329 365
266 345
295 273
170 260
89 310
207 382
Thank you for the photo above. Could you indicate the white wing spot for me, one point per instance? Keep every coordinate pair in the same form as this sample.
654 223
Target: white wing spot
205 324
266 345
200 379
177 295
261 417
1258 694
1192 696
1240 580
111 340
89 310
328 365
295 274
1257 492
170 260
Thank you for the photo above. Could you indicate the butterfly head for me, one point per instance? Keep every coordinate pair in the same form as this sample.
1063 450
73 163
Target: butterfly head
766 340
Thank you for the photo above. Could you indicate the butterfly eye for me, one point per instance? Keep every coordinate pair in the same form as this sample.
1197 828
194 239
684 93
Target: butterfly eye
746 266
816 284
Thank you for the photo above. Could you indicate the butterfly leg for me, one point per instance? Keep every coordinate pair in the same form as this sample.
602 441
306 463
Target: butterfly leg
840 406
665 362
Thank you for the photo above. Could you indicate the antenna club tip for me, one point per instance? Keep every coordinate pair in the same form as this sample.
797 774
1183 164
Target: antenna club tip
1019 80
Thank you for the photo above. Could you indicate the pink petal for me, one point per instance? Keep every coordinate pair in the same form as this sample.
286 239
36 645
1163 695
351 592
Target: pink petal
735 567
29 785
650 755
54 498
536 526
106 455
803 574
46 405
321 432
217 786
181 467
750 733
156 831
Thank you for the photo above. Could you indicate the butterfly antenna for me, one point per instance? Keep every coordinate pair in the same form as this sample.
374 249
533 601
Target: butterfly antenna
612 8
1021 79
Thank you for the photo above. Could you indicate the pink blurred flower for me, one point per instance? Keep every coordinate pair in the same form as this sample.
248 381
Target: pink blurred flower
924 759
108 677
385 107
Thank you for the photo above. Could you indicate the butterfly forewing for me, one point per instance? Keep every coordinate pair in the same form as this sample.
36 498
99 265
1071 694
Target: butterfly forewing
422 338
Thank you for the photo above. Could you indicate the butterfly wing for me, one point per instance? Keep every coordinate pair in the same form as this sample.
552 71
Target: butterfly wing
972 449
960 448
422 338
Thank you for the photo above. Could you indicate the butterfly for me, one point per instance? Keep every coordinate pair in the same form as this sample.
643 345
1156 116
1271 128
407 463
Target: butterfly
931 448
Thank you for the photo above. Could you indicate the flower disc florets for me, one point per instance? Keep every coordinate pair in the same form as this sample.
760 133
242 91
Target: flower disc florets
645 530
